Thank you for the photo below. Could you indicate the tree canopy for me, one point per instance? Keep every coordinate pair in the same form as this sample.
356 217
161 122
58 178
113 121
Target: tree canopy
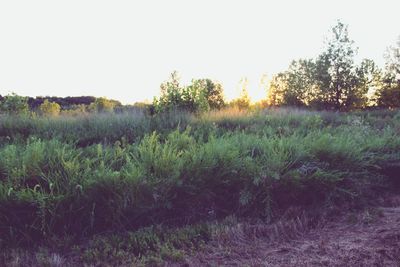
333 81
200 95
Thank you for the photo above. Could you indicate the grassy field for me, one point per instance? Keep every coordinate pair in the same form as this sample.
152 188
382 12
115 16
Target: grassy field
134 184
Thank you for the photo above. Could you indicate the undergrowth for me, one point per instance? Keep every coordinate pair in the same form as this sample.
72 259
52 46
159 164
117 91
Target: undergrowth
69 178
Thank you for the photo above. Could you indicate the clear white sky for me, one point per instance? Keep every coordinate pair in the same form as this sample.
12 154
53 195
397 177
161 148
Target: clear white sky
125 49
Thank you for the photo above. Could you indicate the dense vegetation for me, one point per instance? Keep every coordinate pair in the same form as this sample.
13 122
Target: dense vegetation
77 176
71 168
334 81
331 81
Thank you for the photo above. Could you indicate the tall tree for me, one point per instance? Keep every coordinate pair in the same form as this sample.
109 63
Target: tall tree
276 90
294 87
332 81
389 94
171 94
368 81
299 81
393 60
336 71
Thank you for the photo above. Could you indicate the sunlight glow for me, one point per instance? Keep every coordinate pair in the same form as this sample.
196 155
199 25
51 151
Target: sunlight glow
124 50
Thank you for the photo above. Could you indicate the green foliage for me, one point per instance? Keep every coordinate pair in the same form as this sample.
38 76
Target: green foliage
103 104
388 95
336 70
76 110
14 105
171 92
151 245
212 91
332 81
49 108
77 176
199 96
64 102
393 59
293 87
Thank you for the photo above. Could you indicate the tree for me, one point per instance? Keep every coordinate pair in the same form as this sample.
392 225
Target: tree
200 95
76 110
64 102
14 104
170 94
49 108
276 91
243 102
294 86
103 104
393 60
194 97
331 81
335 68
369 80
212 91
389 94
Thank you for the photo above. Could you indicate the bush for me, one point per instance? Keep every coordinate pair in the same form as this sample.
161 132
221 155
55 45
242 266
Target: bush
49 108
78 176
200 96
103 104
14 105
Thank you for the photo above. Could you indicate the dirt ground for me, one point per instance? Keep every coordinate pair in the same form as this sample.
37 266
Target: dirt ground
363 237
370 237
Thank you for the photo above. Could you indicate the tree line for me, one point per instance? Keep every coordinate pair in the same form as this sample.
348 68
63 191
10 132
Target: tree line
331 81
334 81
19 105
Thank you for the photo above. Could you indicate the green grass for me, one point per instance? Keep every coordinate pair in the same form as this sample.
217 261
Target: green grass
69 178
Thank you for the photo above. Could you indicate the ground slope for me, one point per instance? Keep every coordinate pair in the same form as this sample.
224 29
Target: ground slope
367 238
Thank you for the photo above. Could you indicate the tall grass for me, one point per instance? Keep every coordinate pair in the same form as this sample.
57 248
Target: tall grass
77 176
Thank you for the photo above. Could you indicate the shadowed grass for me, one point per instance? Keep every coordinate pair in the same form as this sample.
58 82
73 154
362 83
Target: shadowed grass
66 179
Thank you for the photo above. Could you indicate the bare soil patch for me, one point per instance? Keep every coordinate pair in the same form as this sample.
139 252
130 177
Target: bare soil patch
370 237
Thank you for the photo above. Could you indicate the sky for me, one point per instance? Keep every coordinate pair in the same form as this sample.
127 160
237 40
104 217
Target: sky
124 50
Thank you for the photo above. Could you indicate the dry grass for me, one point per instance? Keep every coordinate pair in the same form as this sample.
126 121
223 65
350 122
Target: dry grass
372 238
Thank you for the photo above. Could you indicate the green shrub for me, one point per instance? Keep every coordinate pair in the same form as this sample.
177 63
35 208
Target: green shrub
14 105
72 177
49 108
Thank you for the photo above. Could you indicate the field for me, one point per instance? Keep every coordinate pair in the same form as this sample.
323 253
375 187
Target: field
137 189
